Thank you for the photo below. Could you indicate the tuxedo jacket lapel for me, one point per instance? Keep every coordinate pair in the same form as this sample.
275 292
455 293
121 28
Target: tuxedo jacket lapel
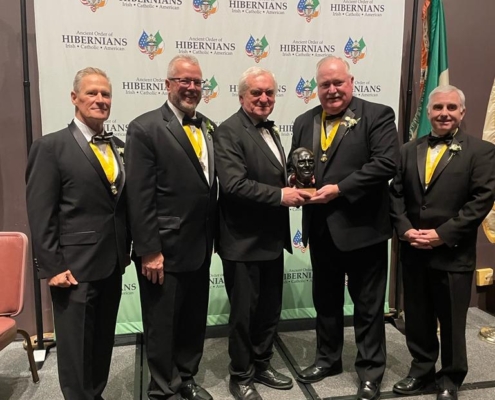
341 132
211 154
317 134
90 155
280 148
421 152
444 161
121 177
258 139
317 145
177 131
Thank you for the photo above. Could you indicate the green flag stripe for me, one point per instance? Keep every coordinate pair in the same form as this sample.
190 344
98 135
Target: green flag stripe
213 82
264 42
313 84
158 38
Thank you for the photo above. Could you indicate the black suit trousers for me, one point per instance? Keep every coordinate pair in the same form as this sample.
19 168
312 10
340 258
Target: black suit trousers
255 294
366 270
174 321
85 316
429 295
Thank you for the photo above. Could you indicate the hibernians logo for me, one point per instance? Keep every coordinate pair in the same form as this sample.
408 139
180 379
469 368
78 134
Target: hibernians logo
129 288
367 88
217 281
297 241
308 9
151 44
205 7
305 89
117 128
257 49
355 50
210 89
94 4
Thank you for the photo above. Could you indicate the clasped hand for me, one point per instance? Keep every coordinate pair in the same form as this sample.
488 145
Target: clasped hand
322 195
424 239
293 197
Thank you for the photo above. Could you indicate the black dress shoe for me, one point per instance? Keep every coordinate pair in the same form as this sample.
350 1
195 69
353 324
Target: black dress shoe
192 391
314 374
447 394
271 378
243 392
368 391
410 385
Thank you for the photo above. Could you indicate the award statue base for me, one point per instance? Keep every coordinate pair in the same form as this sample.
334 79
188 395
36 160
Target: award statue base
311 191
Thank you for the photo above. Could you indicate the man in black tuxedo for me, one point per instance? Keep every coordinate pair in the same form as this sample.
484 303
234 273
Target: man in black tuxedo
172 209
254 230
442 192
347 222
76 205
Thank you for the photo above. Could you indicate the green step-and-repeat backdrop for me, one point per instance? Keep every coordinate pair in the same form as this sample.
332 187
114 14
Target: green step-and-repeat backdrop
134 40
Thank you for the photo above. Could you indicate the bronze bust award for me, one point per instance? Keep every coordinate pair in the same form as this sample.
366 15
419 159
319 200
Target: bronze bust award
304 164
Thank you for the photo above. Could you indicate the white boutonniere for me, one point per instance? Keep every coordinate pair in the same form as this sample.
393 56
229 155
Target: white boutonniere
209 128
120 151
454 148
349 122
275 130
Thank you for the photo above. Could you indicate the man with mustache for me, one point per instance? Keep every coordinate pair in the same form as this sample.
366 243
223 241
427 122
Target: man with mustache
172 210
442 192
347 221
76 204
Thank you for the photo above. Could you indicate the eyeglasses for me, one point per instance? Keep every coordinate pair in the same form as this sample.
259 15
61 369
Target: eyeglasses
186 82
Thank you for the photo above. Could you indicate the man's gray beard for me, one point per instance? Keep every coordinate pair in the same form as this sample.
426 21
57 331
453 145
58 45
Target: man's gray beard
182 105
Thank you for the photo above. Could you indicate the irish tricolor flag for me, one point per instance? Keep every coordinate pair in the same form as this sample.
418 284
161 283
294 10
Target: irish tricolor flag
434 62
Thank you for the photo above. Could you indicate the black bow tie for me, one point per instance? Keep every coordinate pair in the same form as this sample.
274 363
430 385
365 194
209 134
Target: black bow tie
265 124
187 120
339 115
102 138
434 140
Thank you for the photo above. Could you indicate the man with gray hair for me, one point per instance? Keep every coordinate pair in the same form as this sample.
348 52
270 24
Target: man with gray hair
76 205
347 221
442 192
172 211
254 230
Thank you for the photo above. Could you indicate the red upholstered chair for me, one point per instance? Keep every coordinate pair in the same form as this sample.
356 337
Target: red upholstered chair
13 253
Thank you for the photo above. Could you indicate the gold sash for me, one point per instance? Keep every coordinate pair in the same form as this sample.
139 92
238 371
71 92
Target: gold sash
197 144
326 141
430 167
107 165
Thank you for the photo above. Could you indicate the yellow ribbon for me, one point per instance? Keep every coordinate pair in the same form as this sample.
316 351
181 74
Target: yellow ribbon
430 167
326 141
197 144
107 165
